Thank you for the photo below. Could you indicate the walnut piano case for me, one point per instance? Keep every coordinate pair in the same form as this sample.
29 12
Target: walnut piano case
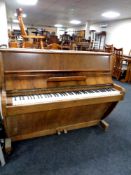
30 73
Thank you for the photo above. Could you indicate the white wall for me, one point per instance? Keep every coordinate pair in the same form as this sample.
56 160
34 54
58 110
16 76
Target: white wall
118 33
3 24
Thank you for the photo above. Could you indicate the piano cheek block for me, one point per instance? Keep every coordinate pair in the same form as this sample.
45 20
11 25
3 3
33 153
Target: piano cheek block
47 92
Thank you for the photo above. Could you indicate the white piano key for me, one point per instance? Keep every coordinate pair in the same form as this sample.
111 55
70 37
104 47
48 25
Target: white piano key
64 96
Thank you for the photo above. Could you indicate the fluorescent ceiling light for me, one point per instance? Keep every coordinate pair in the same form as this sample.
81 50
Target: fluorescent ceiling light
23 15
75 22
110 14
58 25
27 2
15 21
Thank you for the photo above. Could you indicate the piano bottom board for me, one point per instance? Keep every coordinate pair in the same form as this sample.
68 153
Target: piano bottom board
37 124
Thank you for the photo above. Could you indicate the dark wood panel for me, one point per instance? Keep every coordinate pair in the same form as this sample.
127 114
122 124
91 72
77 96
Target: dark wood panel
55 61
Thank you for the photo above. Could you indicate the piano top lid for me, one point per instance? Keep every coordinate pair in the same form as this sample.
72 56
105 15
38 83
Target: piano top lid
23 50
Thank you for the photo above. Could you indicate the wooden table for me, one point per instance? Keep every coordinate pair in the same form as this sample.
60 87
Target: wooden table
83 45
128 72
65 47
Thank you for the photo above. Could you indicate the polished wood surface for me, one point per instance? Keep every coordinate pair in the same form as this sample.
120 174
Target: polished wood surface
26 72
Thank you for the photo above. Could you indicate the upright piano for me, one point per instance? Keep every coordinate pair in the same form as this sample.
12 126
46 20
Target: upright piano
50 91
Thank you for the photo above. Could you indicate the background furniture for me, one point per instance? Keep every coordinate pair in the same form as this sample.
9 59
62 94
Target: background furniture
119 67
37 41
54 46
108 48
127 58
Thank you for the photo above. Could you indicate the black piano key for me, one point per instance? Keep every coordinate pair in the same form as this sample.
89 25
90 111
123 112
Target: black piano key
97 90
57 95
112 89
66 93
85 92
89 91
45 95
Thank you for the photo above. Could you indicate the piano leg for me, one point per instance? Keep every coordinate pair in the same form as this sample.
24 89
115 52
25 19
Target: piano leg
8 148
59 132
104 125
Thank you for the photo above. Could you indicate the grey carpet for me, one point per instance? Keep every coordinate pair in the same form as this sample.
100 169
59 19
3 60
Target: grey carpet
88 151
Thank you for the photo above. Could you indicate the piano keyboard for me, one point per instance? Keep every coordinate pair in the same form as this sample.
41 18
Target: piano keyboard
64 96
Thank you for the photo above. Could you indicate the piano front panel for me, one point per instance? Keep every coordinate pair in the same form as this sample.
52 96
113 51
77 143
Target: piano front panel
43 123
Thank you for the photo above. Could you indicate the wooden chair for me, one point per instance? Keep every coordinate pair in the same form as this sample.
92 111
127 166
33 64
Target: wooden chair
54 46
108 48
119 67
13 44
37 41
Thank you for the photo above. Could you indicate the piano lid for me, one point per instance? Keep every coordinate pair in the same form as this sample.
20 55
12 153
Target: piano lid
23 50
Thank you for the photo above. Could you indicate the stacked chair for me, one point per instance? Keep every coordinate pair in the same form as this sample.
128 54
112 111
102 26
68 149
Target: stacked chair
120 65
29 41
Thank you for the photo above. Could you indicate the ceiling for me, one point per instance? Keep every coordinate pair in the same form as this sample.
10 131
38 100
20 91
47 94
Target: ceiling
50 12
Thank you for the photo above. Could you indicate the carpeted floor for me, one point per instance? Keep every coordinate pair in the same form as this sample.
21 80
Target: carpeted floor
88 151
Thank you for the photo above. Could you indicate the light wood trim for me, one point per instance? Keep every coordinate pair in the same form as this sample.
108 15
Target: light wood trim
44 71
120 88
14 110
39 51
70 78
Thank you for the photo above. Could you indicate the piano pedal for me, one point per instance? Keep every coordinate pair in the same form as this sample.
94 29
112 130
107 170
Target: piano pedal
59 132
104 125
65 131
